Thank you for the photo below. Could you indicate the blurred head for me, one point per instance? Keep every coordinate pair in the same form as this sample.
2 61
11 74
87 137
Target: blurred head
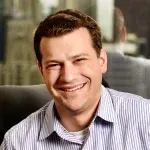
119 26
63 22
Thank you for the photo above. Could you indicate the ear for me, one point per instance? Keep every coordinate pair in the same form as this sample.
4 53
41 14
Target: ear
103 60
123 35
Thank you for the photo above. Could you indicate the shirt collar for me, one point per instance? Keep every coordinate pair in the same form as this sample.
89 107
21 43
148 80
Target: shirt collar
106 108
47 127
105 111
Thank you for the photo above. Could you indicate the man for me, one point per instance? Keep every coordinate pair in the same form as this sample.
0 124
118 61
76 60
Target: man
83 113
132 73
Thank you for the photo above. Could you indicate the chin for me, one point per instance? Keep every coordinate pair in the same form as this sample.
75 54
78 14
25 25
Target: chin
76 111
75 107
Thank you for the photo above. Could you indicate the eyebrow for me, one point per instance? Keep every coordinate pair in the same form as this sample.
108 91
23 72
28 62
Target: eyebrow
80 55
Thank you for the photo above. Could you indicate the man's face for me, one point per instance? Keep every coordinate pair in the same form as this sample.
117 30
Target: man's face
72 71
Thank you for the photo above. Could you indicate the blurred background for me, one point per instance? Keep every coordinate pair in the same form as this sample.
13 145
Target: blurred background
19 19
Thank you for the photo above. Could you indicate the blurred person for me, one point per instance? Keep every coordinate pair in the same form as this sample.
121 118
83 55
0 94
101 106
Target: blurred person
126 73
83 114
119 33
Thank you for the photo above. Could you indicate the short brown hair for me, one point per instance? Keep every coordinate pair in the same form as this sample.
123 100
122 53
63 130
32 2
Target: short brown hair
63 22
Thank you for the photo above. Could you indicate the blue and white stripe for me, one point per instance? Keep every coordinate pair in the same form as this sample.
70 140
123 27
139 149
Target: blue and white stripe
122 122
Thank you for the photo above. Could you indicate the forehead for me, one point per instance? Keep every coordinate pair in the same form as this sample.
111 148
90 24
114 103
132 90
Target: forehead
69 44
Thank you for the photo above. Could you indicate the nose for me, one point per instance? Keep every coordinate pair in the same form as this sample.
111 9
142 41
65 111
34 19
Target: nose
68 73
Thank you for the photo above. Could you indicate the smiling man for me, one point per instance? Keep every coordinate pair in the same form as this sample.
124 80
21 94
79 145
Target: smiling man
72 72
83 114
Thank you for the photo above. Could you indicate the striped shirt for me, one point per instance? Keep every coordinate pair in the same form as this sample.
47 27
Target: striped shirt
122 122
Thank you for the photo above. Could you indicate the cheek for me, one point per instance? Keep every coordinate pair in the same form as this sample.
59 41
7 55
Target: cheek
51 77
94 73
91 69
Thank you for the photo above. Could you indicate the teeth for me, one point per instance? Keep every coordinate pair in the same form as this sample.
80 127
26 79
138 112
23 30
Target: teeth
73 89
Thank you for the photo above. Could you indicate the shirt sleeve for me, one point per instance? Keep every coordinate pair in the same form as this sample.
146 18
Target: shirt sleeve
6 144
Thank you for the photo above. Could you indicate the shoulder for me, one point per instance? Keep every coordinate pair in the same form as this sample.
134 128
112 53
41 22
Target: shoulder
132 112
27 127
125 97
138 60
130 105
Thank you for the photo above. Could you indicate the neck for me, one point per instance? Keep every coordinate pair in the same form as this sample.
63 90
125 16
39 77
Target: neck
115 47
74 122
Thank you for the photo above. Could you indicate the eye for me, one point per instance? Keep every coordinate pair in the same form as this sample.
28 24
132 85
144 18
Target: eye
80 59
53 66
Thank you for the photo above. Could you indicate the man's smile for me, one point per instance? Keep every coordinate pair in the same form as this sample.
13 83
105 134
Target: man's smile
72 88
